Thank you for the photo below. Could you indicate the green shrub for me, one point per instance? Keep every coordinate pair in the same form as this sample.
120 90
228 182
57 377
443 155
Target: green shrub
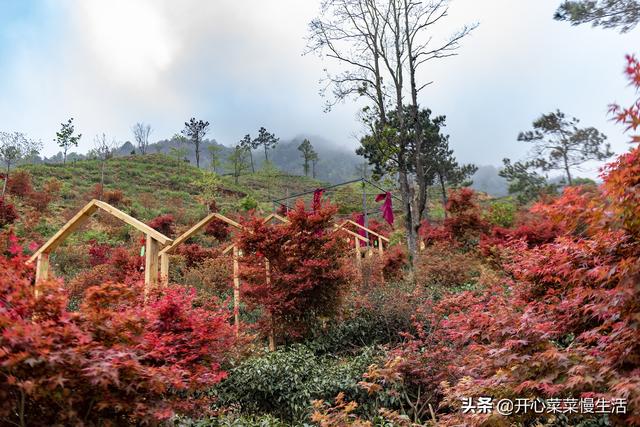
501 213
283 383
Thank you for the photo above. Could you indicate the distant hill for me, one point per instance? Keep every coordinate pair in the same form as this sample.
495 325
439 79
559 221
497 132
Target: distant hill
486 179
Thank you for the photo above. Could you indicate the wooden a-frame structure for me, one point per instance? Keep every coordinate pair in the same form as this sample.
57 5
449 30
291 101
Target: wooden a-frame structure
154 241
379 236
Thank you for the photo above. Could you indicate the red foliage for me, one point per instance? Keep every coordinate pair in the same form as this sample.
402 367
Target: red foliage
19 184
464 223
395 258
307 275
195 254
8 213
40 200
564 325
98 253
630 116
116 361
218 229
164 224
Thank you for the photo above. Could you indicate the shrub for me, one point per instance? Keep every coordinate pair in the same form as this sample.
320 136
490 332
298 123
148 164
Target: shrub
19 184
8 212
116 361
40 200
307 272
114 197
395 258
441 268
164 224
501 213
283 383
217 229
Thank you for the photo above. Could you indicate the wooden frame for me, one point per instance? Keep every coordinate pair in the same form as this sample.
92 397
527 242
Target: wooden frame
154 241
380 237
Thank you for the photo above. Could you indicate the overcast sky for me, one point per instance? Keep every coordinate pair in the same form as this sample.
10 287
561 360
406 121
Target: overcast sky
239 65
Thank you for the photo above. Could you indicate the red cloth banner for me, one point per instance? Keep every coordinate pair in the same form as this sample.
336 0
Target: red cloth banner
387 207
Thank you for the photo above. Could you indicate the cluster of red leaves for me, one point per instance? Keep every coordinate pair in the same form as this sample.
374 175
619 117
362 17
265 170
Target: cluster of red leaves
8 213
217 229
20 185
464 223
165 224
395 258
630 116
307 275
116 361
108 264
565 323
195 254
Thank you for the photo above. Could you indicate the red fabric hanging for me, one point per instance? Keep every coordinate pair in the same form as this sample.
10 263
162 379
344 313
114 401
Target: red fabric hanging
317 198
360 221
387 207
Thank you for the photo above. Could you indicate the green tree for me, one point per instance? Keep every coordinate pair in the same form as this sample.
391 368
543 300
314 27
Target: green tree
65 138
267 140
524 181
13 147
195 130
448 171
238 162
622 14
249 145
214 151
560 145
308 155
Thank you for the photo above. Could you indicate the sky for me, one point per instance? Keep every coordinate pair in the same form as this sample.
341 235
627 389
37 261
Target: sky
239 65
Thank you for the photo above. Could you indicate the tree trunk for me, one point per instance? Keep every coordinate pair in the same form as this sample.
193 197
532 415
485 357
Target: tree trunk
253 169
408 219
197 154
566 168
266 156
6 180
443 189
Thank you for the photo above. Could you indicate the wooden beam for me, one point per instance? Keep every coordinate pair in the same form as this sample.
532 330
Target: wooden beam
71 225
164 268
144 228
228 248
346 230
275 216
42 271
368 230
187 234
228 220
151 264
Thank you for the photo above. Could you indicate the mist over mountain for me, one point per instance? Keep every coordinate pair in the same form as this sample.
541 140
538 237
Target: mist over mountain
335 164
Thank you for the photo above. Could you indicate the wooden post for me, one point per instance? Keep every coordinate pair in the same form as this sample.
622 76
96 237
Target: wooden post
164 269
236 290
151 264
358 254
380 248
42 270
272 335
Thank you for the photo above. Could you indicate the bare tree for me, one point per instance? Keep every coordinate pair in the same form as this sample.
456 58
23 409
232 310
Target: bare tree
141 133
103 149
380 46
13 147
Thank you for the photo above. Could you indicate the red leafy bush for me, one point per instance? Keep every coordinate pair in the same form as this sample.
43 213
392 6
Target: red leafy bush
395 258
164 224
19 184
98 253
217 229
40 200
8 212
195 254
116 361
307 275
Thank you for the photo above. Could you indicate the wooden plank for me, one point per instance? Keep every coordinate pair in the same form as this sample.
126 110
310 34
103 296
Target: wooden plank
228 248
42 271
187 234
80 218
275 216
346 230
151 263
144 228
164 268
368 230
228 221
